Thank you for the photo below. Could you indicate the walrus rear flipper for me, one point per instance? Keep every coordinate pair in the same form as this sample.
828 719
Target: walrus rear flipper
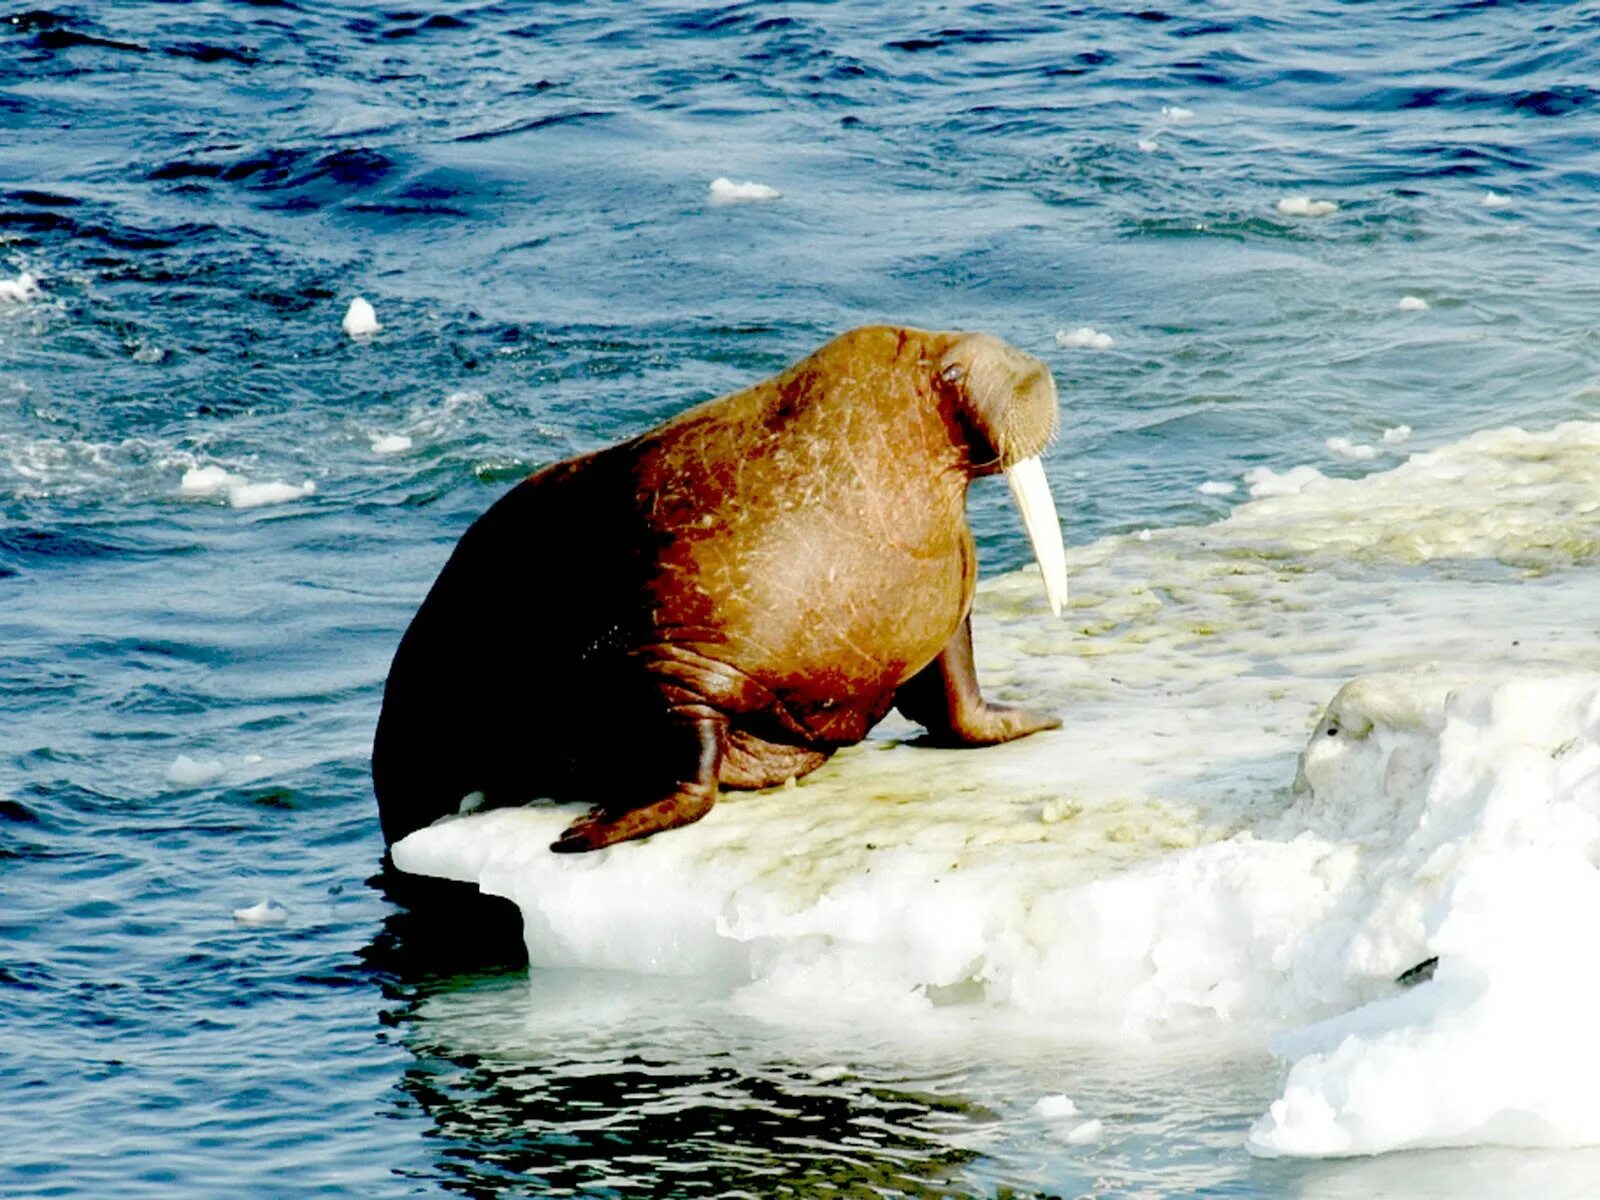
683 756
944 698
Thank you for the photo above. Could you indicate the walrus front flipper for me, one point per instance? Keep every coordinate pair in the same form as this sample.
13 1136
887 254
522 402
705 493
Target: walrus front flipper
695 746
944 698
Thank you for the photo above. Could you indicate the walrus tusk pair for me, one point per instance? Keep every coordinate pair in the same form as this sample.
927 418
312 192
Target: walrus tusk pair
1037 508
726 599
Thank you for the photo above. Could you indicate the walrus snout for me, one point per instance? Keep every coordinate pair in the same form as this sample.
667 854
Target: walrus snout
1009 400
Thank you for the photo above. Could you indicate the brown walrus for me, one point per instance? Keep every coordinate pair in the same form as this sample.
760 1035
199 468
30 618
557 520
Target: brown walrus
726 599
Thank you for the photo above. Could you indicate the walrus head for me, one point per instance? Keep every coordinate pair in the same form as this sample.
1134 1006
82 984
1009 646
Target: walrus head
1007 402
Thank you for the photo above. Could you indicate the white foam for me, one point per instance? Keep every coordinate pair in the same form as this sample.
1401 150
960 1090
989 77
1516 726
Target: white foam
1343 447
1305 206
24 287
1217 487
189 772
1147 145
1493 199
208 481
1397 434
360 320
267 913
725 191
1264 481
1176 112
1084 338
1412 304
390 443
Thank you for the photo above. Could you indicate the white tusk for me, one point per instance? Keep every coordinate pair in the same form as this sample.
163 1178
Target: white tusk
1031 490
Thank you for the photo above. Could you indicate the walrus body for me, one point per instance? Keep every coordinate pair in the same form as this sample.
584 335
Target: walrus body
724 600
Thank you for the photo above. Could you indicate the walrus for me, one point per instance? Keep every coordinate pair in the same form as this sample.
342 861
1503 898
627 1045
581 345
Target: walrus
726 599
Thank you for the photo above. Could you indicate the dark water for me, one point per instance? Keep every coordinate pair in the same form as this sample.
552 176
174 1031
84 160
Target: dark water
521 191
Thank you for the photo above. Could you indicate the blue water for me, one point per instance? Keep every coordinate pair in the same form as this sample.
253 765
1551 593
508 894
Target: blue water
521 192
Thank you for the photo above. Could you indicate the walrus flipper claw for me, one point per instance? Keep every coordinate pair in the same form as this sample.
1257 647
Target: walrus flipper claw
944 699
686 802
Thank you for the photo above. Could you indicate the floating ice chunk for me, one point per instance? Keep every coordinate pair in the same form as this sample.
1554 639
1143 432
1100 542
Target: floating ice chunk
390 443
268 912
1055 1106
1084 338
1147 145
255 495
241 493
1343 447
1176 112
1483 819
208 481
1493 199
726 191
1305 206
1217 487
251 760
1085 1131
24 287
1412 304
189 772
1264 481
360 320
1397 434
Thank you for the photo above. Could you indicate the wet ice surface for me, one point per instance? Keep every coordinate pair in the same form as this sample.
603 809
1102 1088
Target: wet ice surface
1209 841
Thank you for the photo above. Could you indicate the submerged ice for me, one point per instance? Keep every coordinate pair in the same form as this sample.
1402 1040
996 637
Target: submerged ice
1298 761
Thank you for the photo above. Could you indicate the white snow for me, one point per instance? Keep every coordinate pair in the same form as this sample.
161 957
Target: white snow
1343 447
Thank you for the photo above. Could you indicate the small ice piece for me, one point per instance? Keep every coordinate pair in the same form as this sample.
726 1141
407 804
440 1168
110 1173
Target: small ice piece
255 495
1143 535
390 443
268 912
1264 481
24 287
1055 1106
1176 112
1147 145
208 481
1493 199
1305 206
1217 487
1412 304
1396 435
1343 447
251 760
1086 1131
726 191
1084 338
360 320
472 802
186 772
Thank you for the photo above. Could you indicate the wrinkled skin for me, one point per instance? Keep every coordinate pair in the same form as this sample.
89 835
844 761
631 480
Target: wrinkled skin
724 600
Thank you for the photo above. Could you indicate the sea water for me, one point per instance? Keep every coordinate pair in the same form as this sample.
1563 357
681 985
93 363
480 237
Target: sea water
290 292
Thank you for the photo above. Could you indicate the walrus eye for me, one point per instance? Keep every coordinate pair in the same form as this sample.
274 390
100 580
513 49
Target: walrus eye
954 373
